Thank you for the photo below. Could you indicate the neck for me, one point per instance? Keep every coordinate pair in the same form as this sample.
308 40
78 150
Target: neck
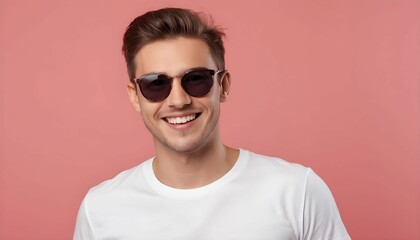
186 170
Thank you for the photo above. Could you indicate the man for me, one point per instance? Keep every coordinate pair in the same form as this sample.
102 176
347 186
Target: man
196 187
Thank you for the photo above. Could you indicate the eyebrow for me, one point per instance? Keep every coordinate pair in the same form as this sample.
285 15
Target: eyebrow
172 76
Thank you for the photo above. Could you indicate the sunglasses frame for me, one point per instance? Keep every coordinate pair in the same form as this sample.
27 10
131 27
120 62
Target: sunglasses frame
213 73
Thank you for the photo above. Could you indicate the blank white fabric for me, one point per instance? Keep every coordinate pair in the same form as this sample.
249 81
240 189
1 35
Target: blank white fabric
259 198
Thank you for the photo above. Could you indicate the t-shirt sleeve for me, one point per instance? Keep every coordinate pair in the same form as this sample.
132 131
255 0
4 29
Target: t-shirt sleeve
83 230
321 218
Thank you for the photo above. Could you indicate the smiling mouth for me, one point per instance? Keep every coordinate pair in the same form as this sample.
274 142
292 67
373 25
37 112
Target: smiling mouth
182 120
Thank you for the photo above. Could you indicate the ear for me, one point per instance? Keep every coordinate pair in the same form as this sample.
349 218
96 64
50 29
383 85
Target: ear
132 95
224 86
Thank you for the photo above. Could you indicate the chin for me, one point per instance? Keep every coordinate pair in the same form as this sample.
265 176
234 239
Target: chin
188 148
185 146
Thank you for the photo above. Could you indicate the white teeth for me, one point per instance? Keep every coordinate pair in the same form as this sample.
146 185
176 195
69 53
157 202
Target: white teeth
181 120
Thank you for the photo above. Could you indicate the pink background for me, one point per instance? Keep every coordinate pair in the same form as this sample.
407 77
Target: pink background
331 84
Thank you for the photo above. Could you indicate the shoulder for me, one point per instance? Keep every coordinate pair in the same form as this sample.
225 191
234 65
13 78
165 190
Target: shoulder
122 182
274 166
287 175
275 175
297 185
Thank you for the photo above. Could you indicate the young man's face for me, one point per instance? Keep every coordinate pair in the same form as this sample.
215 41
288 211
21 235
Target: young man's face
174 57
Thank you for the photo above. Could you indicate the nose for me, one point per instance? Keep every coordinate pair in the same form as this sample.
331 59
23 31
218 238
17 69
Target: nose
178 98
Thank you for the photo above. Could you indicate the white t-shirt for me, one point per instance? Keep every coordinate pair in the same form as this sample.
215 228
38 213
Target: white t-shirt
260 198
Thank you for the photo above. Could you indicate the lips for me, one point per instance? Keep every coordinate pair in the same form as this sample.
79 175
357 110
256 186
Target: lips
181 119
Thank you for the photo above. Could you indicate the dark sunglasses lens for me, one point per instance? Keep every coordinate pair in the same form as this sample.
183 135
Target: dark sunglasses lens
155 87
198 83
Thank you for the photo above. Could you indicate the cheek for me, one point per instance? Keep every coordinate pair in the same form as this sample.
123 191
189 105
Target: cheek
214 96
147 110
213 102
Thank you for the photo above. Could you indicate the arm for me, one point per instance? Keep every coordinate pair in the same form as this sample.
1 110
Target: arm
83 230
321 218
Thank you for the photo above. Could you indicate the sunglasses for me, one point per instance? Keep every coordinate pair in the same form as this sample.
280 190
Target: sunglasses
196 82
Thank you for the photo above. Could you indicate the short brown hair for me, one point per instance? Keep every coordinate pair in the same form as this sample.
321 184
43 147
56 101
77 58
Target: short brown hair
170 23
